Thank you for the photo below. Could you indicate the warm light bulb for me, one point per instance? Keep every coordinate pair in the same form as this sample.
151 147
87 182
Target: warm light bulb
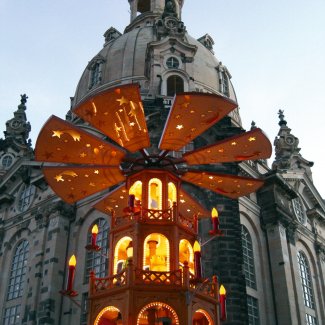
197 247
222 290
72 261
214 213
94 229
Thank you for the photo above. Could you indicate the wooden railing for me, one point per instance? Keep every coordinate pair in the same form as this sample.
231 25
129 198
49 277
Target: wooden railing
131 276
170 215
101 284
156 215
173 278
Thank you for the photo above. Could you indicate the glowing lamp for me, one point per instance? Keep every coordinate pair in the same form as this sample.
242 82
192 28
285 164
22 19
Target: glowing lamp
222 299
94 232
197 260
197 247
215 223
71 272
93 246
129 250
214 213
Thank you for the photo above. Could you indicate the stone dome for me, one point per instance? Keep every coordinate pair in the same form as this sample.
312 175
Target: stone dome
153 48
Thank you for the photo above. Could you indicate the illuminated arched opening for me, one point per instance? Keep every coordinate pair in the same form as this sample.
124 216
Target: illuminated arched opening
157 313
155 194
186 253
109 316
156 253
120 256
136 190
201 317
172 194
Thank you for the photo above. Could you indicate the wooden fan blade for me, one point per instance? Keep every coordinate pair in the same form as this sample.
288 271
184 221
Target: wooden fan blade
119 114
75 183
191 115
227 185
188 205
115 201
247 146
61 141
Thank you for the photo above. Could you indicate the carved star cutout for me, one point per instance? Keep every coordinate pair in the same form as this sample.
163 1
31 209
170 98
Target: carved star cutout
234 143
179 127
83 155
59 178
122 101
57 134
252 139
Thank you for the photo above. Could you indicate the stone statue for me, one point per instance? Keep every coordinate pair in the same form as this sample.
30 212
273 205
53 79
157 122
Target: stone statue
170 9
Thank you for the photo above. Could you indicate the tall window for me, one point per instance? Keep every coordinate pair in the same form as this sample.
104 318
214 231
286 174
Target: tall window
310 320
253 314
12 316
175 84
299 210
84 309
18 271
224 83
306 282
95 261
248 254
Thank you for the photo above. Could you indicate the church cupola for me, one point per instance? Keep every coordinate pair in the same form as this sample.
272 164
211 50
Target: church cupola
160 7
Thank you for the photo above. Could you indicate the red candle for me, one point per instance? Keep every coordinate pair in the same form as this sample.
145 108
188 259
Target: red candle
215 222
197 260
131 201
72 268
94 232
222 299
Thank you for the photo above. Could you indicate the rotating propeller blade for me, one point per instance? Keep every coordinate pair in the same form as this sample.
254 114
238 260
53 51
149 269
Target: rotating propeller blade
191 115
119 114
115 201
227 185
247 146
75 183
61 141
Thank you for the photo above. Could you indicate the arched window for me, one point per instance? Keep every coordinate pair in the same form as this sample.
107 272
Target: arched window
136 190
306 282
157 313
18 271
186 253
172 194
248 254
120 254
156 253
94 261
25 197
155 194
175 84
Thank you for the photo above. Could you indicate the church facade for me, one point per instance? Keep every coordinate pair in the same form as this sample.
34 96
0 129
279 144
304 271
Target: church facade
271 256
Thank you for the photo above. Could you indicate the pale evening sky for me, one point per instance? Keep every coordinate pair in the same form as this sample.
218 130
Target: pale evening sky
275 51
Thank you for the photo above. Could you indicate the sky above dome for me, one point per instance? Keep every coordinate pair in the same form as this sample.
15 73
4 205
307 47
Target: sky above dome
274 50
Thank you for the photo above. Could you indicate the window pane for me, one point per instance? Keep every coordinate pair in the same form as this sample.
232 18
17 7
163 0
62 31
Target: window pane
248 254
97 261
306 281
12 316
253 313
18 271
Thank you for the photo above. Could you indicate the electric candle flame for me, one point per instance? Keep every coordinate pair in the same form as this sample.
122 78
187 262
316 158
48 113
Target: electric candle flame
214 213
94 230
222 290
72 261
197 247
